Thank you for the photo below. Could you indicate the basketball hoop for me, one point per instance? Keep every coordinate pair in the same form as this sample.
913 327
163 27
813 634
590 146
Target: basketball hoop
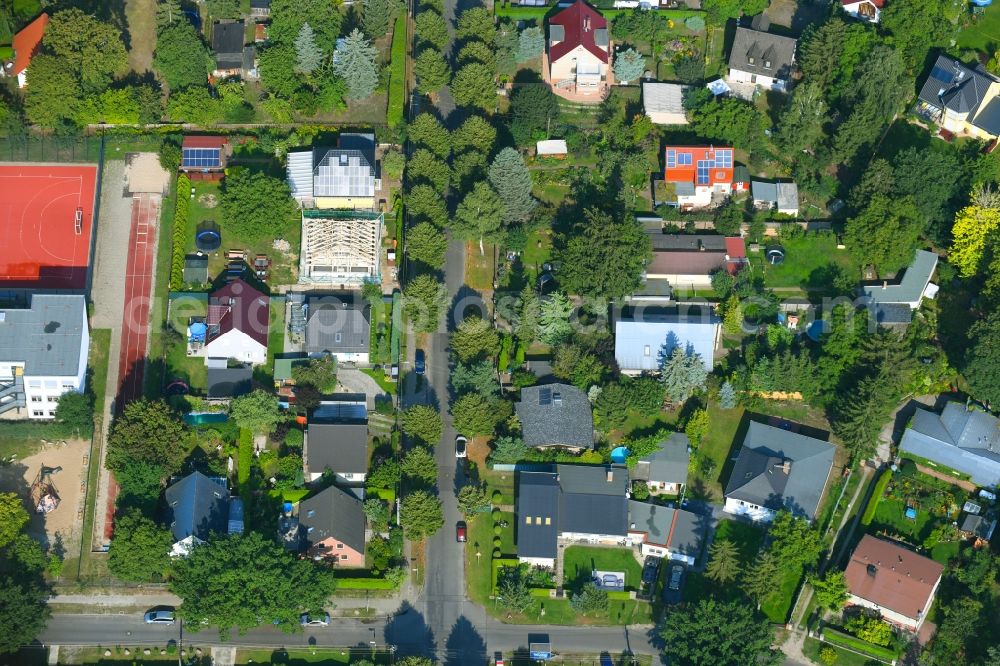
78 221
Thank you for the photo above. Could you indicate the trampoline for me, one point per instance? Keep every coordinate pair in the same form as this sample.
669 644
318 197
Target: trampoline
619 455
177 387
817 328
208 238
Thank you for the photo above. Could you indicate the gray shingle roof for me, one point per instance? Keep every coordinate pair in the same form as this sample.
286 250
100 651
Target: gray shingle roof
988 118
669 464
954 86
762 53
338 436
760 475
966 440
909 288
347 170
537 514
46 336
198 505
556 415
590 502
229 382
332 513
227 43
338 327
657 522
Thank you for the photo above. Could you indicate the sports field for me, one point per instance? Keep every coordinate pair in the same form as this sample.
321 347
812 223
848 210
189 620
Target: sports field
46 225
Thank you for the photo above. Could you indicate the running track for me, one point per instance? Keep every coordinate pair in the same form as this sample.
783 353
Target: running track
135 321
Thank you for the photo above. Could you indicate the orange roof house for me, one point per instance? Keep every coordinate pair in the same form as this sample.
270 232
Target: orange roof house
698 173
26 44
892 580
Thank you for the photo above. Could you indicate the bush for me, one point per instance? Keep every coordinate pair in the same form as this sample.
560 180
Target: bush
496 553
294 439
497 529
496 512
497 541
838 638
497 498
877 492
179 231
397 72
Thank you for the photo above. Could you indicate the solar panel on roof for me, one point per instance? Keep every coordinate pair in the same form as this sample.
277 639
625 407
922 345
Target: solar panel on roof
201 157
545 396
942 74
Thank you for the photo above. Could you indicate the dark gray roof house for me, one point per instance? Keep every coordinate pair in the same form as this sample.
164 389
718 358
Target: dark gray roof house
226 383
537 510
337 438
962 91
197 506
556 415
227 44
338 326
965 439
908 289
574 501
332 514
778 469
679 531
196 268
762 54
668 464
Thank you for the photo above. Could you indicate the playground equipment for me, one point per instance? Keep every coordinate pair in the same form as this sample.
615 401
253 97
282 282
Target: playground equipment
43 492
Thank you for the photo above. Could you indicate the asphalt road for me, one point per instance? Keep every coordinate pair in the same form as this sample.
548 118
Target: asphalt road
465 644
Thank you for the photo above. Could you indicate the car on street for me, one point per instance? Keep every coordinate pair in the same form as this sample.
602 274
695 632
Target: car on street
461 532
159 616
315 620
461 447
420 362
498 659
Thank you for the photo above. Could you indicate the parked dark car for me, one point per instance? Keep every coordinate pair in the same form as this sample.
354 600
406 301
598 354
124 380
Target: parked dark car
419 363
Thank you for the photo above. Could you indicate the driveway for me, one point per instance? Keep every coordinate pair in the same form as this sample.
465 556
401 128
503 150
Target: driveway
355 381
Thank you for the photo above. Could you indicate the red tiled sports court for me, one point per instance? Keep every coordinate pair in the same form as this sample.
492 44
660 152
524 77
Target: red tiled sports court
46 224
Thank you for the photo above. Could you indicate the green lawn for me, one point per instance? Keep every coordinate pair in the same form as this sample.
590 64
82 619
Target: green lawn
284 267
811 261
984 34
479 571
778 604
747 539
507 545
479 267
538 248
716 447
580 561
813 646
320 656
386 385
276 330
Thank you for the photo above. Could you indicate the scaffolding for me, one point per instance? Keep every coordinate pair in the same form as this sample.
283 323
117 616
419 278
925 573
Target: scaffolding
340 247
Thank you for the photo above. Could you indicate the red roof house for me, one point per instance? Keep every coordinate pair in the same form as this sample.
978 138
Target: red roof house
237 322
26 44
579 49
892 580
699 173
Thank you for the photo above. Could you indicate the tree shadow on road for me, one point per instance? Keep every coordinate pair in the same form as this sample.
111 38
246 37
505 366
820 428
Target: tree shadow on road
409 633
465 645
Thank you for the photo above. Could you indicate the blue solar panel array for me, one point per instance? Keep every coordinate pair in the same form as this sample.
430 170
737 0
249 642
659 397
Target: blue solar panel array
201 157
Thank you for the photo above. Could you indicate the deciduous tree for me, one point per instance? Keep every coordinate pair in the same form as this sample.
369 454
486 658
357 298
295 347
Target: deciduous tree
13 517
710 633
474 86
475 23
140 549
421 515
426 131
256 205
472 500
794 541
319 372
288 16
432 29
376 15
830 590
474 338
884 235
424 423
533 110
475 414
257 412
974 233
419 466
150 432
181 57
426 204
425 243
425 167
219 589
432 70
89 47
605 256
424 300
194 105
480 214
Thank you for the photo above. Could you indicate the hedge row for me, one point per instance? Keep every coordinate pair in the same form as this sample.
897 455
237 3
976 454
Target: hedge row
180 231
397 73
841 639
619 595
364 584
50 430
542 592
877 492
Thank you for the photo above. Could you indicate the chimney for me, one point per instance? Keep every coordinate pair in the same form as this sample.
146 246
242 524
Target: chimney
885 284
786 467
701 245
586 24
611 474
